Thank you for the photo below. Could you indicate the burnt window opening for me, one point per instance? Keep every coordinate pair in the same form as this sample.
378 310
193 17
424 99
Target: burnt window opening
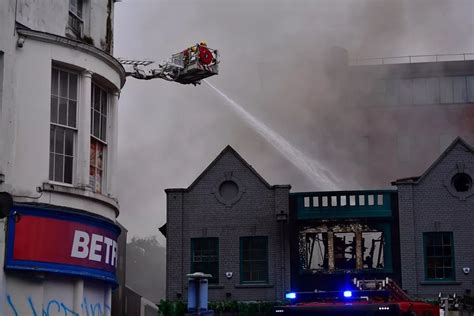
315 252
344 251
372 250
462 182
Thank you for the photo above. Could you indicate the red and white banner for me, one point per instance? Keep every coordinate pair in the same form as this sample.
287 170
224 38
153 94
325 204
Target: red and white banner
62 242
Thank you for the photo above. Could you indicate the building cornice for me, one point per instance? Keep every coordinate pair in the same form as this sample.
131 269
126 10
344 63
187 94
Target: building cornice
77 45
82 193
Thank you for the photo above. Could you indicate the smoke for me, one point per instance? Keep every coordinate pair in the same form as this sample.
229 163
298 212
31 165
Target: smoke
277 60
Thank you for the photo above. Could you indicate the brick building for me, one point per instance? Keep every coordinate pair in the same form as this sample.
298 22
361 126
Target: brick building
436 225
232 224
259 241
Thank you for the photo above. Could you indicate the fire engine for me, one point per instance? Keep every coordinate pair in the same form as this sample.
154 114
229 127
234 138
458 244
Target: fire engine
189 66
364 298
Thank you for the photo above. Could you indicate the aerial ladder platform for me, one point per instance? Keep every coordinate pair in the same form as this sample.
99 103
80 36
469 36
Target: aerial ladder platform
189 66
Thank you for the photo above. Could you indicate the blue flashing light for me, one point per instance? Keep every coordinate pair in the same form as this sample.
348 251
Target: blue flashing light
290 296
347 294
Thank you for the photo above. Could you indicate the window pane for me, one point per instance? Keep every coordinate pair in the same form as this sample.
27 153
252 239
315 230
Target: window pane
446 91
96 103
72 87
433 90
58 168
100 155
51 166
204 257
92 122
392 91
459 89
63 84
72 114
93 153
68 169
470 88
62 111
254 259
59 143
98 181
54 109
92 177
103 102
69 142
446 239
96 132
405 91
51 139
103 126
439 255
425 90
54 82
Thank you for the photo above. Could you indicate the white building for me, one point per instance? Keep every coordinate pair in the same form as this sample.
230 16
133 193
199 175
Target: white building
59 88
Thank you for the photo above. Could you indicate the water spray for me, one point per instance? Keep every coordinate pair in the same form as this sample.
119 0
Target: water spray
319 175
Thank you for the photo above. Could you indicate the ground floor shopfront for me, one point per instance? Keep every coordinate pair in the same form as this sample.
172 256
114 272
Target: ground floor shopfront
56 261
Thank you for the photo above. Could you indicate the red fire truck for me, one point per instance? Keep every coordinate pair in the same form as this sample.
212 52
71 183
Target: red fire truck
365 298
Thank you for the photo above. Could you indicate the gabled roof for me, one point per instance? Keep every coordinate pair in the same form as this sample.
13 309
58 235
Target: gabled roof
229 149
416 180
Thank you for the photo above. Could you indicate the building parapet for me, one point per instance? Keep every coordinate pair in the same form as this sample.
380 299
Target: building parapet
344 204
411 59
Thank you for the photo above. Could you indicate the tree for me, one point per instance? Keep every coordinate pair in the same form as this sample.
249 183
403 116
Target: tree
146 267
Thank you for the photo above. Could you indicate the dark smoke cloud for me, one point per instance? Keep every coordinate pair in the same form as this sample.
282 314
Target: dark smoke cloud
274 63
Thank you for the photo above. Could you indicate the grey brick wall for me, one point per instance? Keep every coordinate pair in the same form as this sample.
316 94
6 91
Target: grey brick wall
197 212
427 205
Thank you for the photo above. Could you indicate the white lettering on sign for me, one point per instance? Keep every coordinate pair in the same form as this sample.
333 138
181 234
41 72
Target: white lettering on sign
87 246
95 247
79 245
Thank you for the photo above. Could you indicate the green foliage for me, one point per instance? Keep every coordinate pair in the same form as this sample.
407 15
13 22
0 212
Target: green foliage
172 308
256 308
221 308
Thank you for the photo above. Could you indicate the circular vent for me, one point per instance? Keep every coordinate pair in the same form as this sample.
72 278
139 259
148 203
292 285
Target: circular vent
461 182
228 190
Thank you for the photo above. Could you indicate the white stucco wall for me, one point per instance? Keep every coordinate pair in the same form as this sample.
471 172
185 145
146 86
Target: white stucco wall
25 92
28 154
46 295
51 16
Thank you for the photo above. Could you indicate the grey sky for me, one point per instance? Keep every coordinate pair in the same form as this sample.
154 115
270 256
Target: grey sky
169 133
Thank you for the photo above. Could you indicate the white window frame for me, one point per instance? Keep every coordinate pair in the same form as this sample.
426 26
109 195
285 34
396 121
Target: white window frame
74 129
104 142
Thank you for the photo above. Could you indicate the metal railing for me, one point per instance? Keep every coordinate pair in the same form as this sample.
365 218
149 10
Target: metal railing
411 59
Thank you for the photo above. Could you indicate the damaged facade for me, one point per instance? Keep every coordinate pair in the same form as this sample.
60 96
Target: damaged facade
259 241
337 236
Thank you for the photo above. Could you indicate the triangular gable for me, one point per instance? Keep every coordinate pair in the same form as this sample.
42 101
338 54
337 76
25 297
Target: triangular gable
227 149
416 180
